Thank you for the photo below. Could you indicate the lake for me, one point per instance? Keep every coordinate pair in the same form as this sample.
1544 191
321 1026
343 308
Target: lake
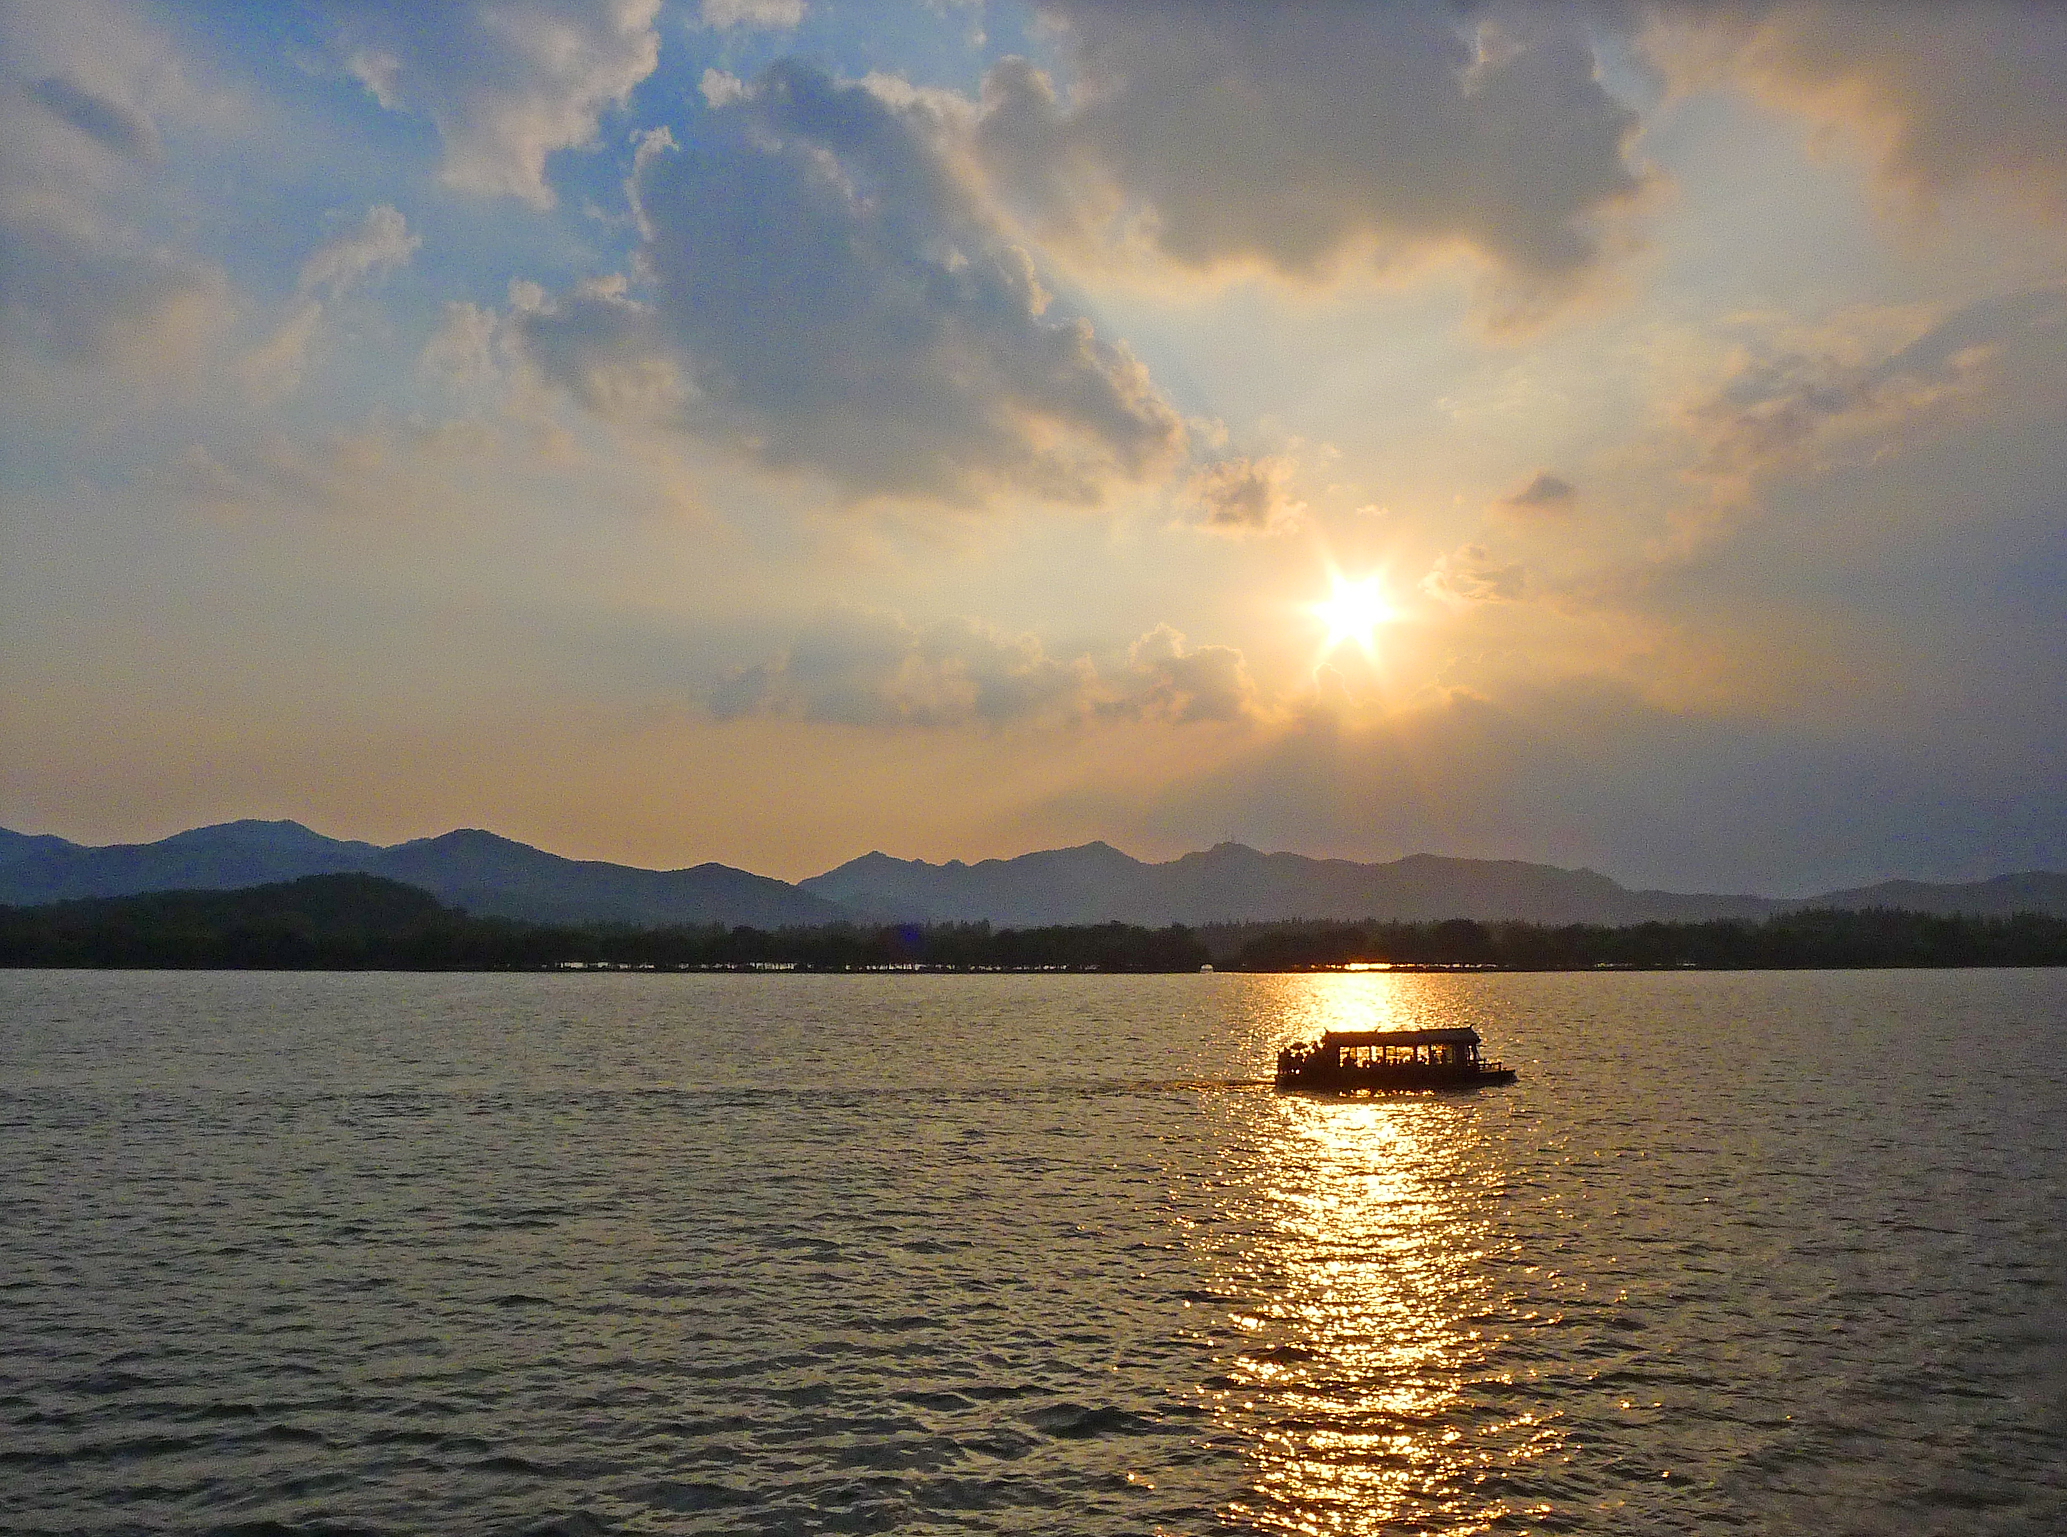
1770 1252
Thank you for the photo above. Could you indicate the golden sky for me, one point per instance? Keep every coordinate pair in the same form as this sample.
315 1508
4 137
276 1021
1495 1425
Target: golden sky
1615 435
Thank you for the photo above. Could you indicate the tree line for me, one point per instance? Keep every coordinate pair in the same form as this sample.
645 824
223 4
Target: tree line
366 922
1830 938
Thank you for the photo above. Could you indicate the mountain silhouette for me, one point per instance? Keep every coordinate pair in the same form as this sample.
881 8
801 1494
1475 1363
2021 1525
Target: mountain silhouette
479 871
1092 883
1232 883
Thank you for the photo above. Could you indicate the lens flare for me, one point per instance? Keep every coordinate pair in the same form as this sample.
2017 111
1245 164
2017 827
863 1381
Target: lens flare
1353 611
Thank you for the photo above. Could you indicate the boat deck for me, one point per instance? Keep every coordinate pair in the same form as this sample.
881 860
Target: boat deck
1349 1061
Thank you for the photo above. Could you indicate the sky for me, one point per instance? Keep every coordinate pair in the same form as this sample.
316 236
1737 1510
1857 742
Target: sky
1623 435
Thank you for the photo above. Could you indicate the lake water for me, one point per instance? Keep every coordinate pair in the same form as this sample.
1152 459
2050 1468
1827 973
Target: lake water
1776 1252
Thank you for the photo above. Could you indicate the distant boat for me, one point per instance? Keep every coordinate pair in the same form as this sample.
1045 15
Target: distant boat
1346 1060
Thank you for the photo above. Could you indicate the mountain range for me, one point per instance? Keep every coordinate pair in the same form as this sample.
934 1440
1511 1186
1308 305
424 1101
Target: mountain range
1093 883
478 871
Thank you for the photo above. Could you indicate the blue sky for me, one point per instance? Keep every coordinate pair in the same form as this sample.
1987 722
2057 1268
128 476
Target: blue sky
767 430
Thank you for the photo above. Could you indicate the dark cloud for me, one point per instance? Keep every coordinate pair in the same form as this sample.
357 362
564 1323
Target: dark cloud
828 292
78 282
1778 406
1293 135
1587 772
858 668
72 289
1248 496
1545 493
507 81
1948 94
110 124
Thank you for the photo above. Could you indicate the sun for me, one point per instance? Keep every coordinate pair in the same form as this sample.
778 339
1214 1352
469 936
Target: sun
1353 611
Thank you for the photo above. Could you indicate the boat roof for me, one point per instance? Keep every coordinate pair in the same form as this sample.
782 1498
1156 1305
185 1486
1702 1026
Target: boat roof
1462 1036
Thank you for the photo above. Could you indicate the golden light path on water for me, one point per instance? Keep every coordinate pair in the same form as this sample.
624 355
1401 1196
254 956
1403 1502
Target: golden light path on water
1368 1389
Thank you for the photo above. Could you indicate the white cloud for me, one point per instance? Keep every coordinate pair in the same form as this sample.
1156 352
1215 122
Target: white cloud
463 347
770 15
1471 574
381 243
507 82
274 368
721 89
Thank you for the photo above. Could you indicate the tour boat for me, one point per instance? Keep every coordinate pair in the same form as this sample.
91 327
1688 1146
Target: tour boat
1343 1060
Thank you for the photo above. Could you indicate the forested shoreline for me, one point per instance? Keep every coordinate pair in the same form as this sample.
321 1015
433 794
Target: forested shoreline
362 922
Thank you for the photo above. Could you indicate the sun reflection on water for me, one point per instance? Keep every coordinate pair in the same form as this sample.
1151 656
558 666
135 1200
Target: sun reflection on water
1366 1385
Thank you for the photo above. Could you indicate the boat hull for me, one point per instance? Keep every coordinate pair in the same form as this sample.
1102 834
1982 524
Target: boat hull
1389 1079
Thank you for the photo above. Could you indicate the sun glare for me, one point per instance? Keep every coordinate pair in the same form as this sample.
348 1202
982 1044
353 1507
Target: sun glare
1353 611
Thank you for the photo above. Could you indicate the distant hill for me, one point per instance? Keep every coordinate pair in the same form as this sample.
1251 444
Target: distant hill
478 871
487 874
355 922
1090 884
1093 883
204 859
1231 883
21 845
2033 891
319 920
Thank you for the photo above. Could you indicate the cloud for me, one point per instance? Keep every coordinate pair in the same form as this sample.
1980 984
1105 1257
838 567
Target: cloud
769 15
120 129
859 668
1248 496
463 348
1780 407
1591 772
80 282
1949 95
864 668
275 366
381 243
1470 574
1544 493
381 470
72 287
507 82
1169 681
826 291
1296 137
720 89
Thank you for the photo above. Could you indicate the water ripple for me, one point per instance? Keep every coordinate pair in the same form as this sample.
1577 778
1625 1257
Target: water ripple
304 1254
